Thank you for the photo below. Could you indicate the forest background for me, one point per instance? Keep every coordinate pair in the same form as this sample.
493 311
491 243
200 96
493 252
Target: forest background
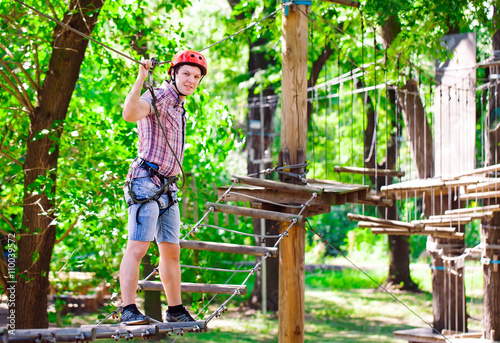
65 149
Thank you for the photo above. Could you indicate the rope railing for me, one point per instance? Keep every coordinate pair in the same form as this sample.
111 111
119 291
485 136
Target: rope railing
238 232
222 307
265 201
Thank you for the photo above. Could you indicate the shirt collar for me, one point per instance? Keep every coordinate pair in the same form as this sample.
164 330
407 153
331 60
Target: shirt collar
172 92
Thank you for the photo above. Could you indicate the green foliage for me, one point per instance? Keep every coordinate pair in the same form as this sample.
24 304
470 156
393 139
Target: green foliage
346 278
97 146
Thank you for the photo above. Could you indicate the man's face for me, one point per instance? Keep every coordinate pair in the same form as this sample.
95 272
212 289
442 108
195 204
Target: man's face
187 79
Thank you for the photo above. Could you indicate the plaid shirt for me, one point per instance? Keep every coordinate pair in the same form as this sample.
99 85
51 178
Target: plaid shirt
152 145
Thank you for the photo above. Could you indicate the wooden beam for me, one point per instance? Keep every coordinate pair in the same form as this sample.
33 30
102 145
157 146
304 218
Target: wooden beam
128 332
279 186
291 313
388 223
493 184
254 213
369 171
443 221
73 334
189 287
403 232
415 188
375 200
390 231
480 195
490 208
484 170
243 194
228 248
338 187
349 3
440 229
460 216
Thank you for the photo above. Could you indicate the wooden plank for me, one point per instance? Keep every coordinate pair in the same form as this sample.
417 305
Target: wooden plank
424 335
440 229
189 287
48 335
330 186
389 223
480 195
465 181
456 235
390 231
104 331
444 217
490 208
375 200
402 232
243 194
228 248
494 184
254 213
414 188
278 186
459 216
443 221
479 171
368 224
427 335
369 171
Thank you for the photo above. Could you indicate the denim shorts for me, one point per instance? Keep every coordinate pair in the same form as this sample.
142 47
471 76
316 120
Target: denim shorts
148 225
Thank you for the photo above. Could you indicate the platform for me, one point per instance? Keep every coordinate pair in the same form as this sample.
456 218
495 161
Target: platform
427 335
329 193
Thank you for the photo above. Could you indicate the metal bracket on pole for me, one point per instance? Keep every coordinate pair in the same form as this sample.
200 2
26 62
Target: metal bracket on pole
296 2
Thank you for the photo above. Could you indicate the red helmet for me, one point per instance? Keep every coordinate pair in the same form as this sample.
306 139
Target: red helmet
190 57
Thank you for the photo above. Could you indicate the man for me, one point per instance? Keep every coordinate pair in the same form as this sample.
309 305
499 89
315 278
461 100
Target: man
152 213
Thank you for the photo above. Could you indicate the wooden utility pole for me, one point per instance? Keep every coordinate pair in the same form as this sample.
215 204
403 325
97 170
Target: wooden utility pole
293 148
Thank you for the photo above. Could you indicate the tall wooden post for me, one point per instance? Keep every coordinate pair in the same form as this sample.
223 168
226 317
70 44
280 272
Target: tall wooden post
293 147
490 236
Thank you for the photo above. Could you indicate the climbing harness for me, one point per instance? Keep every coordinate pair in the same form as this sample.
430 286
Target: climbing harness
152 170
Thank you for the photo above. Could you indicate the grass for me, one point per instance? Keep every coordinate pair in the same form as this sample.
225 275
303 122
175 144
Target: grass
340 306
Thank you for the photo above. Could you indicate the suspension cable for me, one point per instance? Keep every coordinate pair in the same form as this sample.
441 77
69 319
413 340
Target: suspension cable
377 283
76 31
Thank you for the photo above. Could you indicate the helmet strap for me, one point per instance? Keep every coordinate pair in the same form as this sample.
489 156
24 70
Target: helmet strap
172 78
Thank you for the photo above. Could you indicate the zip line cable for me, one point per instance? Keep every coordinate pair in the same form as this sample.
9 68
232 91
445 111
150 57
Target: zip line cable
242 30
377 283
76 31
128 57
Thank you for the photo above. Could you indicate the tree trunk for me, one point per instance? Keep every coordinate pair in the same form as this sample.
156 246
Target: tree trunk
491 288
490 232
399 246
35 249
417 127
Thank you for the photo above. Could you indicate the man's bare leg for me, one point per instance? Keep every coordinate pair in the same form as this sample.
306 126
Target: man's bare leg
170 272
129 269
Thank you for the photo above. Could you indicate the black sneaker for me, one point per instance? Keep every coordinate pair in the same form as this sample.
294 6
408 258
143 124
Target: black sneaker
133 317
183 316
